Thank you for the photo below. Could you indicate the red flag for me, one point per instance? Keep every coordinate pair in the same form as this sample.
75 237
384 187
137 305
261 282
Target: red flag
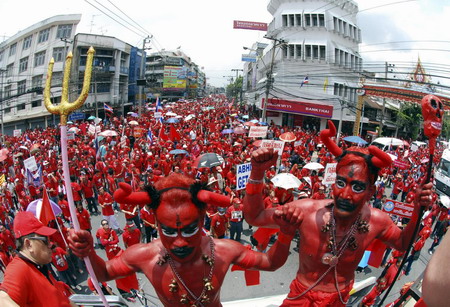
162 134
47 214
378 248
174 135
262 235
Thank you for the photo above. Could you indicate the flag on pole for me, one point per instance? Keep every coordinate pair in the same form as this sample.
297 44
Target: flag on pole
108 108
162 134
46 213
150 136
305 81
158 105
174 135
325 84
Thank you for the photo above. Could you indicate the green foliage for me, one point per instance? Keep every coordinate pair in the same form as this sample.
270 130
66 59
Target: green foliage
446 127
409 119
233 89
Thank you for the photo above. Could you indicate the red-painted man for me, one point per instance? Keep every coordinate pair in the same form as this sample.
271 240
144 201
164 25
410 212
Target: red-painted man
184 266
333 233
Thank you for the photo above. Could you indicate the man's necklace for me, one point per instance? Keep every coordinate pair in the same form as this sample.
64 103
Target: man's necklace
190 298
332 258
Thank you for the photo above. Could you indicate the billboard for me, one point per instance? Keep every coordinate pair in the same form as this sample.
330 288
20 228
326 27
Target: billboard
249 58
250 25
174 78
300 107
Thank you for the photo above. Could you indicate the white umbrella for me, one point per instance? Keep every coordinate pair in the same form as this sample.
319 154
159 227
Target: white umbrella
108 133
133 123
171 114
189 117
313 166
286 181
445 200
74 129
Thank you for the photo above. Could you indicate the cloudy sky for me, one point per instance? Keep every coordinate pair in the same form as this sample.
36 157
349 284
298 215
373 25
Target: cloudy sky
397 31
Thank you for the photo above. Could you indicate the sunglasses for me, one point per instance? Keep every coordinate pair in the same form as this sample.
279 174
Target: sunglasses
43 239
103 224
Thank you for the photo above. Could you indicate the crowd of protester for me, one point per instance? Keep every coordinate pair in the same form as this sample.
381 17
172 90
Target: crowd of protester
144 149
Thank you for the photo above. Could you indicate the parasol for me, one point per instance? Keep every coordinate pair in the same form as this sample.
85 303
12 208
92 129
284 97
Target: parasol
313 166
286 181
133 123
91 117
107 133
171 114
355 139
172 120
288 137
36 205
227 131
208 160
178 152
189 117
240 130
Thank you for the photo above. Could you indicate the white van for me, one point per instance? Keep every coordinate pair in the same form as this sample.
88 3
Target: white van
442 174
386 143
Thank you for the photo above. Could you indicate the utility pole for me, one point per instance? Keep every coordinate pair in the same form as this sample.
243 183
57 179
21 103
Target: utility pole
2 71
269 81
235 83
146 41
95 94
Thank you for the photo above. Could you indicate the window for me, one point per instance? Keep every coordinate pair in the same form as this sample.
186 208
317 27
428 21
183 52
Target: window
23 64
291 51
43 36
36 81
308 20
21 107
27 42
284 20
64 31
9 70
285 51
36 103
322 53
291 20
58 54
8 91
315 52
2 53
39 58
7 110
298 19
299 51
21 87
315 20
321 20
12 49
308 52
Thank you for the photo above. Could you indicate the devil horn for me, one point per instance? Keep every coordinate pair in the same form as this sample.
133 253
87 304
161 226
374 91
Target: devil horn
325 136
212 198
380 159
124 195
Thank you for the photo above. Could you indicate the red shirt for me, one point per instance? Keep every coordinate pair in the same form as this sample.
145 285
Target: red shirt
129 208
148 217
219 223
59 259
88 188
106 200
131 237
84 218
76 188
27 286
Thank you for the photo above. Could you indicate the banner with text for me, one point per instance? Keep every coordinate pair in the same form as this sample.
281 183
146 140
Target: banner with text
398 208
258 131
242 175
276 145
299 107
330 174
249 25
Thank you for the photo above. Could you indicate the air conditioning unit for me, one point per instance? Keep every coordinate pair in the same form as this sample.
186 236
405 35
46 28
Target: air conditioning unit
8 103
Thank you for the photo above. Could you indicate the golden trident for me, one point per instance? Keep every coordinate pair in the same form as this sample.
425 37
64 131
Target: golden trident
66 107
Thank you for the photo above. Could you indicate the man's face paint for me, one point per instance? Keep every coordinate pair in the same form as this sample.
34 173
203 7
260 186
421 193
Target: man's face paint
180 229
351 190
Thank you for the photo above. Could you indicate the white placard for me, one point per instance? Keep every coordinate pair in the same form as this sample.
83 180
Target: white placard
276 145
17 132
71 135
258 131
158 115
242 175
30 164
330 174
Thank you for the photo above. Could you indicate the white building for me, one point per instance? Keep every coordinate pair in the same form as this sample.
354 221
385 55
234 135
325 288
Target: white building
315 70
24 60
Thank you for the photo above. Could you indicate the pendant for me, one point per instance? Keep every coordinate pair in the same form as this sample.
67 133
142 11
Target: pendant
208 284
173 286
184 300
162 260
363 227
326 227
204 299
208 260
352 244
330 259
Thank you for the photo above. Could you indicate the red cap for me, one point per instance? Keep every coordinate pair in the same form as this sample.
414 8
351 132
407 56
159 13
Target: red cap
25 223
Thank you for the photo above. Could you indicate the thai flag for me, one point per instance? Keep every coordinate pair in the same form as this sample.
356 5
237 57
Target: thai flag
108 108
150 136
305 81
158 105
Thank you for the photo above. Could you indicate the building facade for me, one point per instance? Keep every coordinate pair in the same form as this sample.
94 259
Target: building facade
24 60
310 70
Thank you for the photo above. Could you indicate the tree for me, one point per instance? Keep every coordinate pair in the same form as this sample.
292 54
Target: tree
409 119
234 90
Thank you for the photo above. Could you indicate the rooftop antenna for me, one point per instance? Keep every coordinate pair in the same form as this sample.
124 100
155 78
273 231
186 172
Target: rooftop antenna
92 22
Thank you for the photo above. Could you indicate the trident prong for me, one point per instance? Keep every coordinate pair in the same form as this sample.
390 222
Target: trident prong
66 107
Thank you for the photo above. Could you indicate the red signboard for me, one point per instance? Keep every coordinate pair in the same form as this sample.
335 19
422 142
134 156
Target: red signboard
250 25
398 208
300 107
401 165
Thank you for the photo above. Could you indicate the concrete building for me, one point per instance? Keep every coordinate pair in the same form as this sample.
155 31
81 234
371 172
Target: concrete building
173 75
314 62
24 59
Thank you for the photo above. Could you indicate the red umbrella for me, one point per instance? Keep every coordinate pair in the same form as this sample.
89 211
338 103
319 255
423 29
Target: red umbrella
250 124
288 137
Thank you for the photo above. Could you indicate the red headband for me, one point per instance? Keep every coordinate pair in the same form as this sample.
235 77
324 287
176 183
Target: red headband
124 195
378 158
